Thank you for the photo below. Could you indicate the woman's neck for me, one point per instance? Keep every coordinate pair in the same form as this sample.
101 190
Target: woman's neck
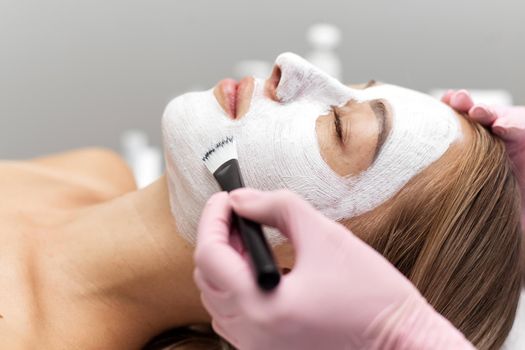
127 253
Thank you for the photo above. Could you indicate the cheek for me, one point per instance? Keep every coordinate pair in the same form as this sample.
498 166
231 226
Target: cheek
356 155
362 144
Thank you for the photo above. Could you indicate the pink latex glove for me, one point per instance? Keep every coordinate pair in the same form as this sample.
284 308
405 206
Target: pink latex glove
341 294
506 122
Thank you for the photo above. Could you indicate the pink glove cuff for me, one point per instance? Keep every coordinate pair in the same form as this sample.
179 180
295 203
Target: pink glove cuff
414 325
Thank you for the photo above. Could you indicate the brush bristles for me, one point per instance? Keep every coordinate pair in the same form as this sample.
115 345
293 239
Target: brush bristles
220 153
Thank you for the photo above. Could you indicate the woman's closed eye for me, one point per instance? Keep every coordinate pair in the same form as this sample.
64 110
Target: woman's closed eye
341 130
341 125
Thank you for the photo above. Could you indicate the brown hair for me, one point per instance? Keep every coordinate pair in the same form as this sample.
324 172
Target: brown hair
458 239
454 231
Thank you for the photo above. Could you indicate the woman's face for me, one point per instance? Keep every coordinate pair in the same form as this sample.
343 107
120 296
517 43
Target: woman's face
349 136
345 149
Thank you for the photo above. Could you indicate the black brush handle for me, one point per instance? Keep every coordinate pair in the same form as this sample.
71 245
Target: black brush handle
262 260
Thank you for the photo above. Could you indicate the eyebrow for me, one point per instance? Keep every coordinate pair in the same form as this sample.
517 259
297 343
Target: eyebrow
380 111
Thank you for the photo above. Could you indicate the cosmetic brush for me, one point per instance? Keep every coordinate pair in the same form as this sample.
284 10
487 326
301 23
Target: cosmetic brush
221 161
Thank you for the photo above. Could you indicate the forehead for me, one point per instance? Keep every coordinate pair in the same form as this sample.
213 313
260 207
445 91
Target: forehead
410 107
405 99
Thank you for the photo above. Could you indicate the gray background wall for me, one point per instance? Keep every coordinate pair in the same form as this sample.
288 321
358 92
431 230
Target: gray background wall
77 73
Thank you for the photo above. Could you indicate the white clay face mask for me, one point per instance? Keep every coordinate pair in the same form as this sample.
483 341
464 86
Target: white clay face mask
278 148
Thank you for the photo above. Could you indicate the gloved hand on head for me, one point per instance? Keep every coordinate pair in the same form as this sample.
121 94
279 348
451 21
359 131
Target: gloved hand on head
340 294
508 122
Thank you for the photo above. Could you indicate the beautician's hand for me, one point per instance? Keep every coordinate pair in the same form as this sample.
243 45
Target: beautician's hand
341 294
506 122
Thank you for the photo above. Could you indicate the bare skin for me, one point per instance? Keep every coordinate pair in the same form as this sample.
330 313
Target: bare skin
86 266
90 263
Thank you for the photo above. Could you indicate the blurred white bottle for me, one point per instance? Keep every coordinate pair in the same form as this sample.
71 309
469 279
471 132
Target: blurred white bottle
148 166
144 160
324 39
131 142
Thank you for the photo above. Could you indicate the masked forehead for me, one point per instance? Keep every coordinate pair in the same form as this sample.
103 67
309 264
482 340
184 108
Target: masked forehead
406 104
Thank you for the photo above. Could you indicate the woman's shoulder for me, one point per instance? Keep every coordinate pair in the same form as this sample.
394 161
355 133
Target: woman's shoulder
39 198
64 181
97 173
97 164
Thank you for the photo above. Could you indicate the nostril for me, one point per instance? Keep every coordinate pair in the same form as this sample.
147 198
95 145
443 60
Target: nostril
276 76
273 82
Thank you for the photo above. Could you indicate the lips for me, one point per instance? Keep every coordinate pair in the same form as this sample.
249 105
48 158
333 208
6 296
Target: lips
234 97
228 93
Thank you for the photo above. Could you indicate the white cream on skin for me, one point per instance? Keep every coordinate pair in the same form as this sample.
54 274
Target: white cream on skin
278 147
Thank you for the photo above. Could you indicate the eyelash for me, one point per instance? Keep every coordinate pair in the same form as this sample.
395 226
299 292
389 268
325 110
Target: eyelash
337 123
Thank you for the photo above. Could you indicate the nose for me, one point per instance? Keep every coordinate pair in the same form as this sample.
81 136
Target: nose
299 79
